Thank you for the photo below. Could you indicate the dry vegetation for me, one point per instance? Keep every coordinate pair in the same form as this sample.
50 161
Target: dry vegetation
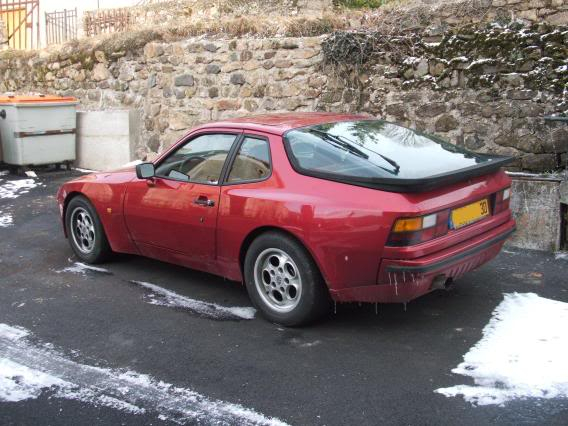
257 18
263 27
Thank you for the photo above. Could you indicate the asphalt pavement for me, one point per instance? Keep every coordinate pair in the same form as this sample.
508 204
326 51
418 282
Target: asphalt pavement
353 367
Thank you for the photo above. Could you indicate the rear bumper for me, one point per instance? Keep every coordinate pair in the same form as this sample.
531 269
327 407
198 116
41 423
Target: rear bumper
401 280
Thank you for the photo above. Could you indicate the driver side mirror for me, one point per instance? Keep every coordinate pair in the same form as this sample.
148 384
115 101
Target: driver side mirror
145 171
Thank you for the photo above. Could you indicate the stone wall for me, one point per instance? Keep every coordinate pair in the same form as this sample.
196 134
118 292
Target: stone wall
551 11
487 89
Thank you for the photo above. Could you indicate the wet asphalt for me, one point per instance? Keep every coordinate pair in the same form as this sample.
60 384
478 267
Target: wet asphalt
353 367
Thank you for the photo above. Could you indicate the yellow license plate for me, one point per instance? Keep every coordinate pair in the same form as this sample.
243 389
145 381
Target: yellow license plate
469 214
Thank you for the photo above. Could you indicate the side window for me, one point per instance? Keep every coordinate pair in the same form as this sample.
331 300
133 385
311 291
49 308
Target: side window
252 161
200 160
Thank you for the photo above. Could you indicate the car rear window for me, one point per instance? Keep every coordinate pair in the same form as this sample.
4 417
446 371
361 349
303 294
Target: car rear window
375 151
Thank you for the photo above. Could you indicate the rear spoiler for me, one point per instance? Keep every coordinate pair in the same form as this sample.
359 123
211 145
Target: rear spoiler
494 163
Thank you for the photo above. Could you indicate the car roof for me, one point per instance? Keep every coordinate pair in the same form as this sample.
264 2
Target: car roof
279 123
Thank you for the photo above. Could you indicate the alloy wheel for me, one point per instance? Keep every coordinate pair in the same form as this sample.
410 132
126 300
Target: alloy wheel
83 230
278 280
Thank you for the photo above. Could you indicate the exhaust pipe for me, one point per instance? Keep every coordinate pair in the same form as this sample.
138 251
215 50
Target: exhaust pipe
441 282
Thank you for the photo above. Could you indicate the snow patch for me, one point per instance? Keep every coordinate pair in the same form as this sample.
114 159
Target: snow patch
12 333
15 188
27 370
411 60
18 382
164 297
5 220
522 353
561 255
82 268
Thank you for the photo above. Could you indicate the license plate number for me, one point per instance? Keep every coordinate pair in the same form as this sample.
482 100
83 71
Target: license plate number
469 214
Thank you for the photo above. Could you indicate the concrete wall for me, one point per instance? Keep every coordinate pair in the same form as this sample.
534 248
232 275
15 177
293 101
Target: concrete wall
535 203
106 139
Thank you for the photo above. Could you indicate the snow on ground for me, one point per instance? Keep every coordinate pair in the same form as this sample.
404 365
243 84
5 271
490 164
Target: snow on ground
82 268
5 219
18 382
27 370
15 188
164 297
522 353
561 255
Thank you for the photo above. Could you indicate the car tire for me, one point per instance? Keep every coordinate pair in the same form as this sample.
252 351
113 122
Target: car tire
85 231
283 281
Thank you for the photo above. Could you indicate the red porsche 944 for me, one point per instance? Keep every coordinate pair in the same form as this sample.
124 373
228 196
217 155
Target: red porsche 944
303 208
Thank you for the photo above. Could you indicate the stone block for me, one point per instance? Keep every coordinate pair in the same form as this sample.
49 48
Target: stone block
539 162
212 69
184 80
237 78
445 123
431 109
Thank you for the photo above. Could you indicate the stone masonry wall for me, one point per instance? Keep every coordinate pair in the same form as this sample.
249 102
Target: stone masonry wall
487 89
485 104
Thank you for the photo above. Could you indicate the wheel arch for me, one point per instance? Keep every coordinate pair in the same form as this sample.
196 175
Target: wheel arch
255 233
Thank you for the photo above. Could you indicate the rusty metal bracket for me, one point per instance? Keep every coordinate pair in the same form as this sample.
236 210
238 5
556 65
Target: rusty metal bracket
19 135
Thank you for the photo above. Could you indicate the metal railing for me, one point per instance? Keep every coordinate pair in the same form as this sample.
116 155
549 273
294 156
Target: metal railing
20 20
60 26
106 21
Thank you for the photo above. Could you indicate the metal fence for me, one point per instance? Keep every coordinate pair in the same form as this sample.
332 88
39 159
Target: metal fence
106 21
20 20
60 26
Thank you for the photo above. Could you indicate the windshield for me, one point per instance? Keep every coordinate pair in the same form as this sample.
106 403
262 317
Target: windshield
371 149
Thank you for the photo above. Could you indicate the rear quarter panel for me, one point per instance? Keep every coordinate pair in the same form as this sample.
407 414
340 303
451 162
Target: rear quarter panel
337 223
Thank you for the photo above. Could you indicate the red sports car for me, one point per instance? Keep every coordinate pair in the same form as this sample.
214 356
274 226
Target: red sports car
304 208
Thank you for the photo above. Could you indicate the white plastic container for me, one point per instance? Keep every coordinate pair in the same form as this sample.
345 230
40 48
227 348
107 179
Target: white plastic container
37 130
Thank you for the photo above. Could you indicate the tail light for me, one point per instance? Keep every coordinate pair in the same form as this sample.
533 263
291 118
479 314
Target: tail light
414 230
502 199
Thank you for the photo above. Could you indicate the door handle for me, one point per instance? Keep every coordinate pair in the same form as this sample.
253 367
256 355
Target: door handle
204 201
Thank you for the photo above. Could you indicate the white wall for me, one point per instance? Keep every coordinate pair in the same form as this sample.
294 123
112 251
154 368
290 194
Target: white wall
106 140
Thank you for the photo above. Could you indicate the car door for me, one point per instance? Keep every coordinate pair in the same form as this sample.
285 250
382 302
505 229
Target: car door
176 211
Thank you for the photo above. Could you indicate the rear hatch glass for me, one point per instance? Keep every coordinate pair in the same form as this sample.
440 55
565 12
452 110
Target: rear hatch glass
383 155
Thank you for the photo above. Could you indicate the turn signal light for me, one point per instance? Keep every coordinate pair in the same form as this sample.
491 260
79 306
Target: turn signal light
413 230
408 224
